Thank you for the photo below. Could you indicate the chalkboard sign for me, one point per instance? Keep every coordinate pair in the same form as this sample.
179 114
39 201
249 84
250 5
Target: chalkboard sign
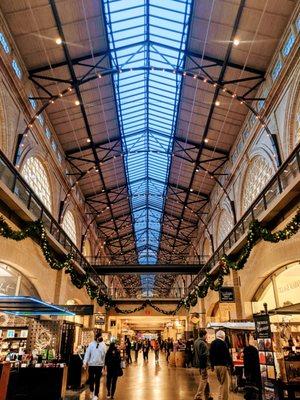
226 295
262 326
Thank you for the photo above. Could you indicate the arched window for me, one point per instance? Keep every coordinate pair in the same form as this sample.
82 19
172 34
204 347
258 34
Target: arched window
87 251
257 176
224 226
207 251
35 175
279 289
69 226
297 126
13 283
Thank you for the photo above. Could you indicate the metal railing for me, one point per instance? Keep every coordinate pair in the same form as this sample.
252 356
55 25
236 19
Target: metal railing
18 186
285 175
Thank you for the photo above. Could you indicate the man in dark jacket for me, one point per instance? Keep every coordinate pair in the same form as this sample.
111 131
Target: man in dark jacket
201 362
221 361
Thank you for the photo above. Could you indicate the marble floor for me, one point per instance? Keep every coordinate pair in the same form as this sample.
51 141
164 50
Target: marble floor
147 381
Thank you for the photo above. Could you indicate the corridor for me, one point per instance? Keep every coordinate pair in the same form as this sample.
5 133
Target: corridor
154 382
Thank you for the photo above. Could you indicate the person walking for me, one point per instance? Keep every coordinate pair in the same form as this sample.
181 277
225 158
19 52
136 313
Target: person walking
202 363
221 361
146 347
114 370
169 348
188 353
94 359
128 351
156 348
136 347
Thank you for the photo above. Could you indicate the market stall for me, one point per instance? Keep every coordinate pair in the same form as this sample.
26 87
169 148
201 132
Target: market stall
285 328
238 336
34 348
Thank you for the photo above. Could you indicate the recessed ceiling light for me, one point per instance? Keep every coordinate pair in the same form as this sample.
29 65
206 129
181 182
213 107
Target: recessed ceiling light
77 102
88 140
217 103
58 40
206 140
236 42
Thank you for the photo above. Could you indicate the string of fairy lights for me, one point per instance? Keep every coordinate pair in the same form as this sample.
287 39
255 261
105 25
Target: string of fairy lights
62 94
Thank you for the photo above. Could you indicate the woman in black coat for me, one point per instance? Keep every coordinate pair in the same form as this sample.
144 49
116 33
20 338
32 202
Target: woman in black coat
113 365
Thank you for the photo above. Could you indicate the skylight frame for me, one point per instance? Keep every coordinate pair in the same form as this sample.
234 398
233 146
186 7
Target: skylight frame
142 124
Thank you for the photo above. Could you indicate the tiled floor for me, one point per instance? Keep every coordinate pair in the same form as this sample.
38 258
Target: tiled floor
150 382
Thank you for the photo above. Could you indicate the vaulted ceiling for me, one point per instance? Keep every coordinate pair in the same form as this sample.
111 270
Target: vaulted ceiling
147 108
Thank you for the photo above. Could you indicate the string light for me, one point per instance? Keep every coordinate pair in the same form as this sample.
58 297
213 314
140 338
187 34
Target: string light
236 42
217 103
58 41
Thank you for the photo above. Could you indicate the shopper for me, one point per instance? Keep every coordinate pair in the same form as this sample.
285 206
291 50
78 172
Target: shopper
128 351
253 389
136 347
169 348
202 362
95 358
114 370
156 351
188 353
145 348
221 361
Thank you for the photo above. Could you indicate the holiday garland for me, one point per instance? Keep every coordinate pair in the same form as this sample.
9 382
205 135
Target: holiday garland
36 231
150 304
236 263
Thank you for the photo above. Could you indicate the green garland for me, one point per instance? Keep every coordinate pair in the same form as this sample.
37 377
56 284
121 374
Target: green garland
236 263
36 231
150 304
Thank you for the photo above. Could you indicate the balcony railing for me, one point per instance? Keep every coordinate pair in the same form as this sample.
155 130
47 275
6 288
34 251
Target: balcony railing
285 175
18 186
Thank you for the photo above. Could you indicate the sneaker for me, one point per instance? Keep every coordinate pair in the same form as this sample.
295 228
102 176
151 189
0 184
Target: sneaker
109 397
95 397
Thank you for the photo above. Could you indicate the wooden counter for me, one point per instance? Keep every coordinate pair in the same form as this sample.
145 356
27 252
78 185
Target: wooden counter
4 378
37 383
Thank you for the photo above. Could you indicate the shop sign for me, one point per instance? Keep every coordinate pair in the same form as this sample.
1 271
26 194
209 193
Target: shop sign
226 295
99 319
262 326
80 309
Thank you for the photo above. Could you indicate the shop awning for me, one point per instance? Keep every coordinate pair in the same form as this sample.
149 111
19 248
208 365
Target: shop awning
232 325
286 310
30 307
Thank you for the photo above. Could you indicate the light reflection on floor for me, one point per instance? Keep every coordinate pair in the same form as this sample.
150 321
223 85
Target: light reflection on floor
147 381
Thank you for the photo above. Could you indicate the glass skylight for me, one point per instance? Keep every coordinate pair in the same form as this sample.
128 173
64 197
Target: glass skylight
147 37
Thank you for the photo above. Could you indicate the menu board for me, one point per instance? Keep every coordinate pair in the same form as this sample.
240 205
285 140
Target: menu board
266 357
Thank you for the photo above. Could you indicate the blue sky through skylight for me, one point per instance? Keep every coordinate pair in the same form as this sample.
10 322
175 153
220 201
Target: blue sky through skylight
147 34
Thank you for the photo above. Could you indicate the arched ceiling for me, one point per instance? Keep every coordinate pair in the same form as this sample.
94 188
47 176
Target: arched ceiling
157 135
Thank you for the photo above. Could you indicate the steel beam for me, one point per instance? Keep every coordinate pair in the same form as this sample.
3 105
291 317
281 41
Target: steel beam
179 269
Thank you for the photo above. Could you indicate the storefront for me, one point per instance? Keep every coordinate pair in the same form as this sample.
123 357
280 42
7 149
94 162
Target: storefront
279 353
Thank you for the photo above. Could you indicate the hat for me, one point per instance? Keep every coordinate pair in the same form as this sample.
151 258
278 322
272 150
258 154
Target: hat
220 335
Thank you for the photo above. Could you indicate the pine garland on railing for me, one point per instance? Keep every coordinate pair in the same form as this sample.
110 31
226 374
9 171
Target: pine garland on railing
36 230
236 263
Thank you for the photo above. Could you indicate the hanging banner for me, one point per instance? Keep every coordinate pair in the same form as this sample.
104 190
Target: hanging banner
226 294
262 326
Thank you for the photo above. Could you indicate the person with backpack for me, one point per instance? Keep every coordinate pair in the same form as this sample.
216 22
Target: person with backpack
201 361
114 370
